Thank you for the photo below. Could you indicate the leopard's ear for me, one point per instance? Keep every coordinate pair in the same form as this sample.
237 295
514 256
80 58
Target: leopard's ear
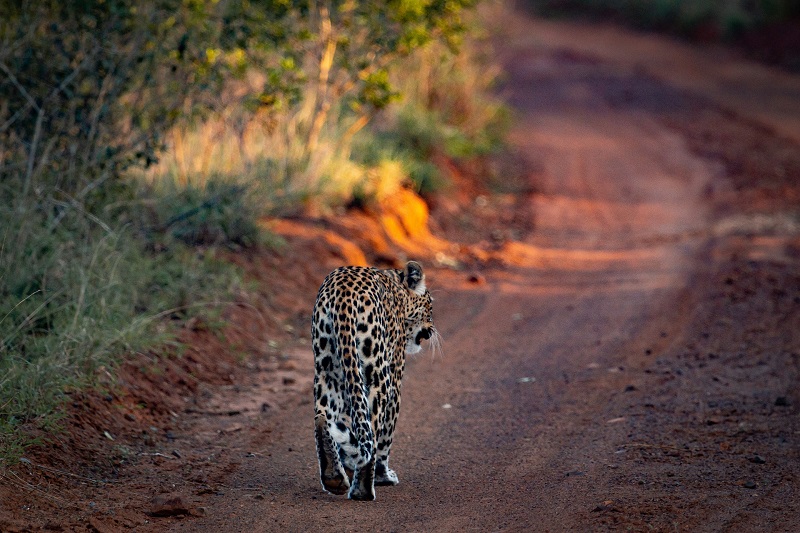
415 277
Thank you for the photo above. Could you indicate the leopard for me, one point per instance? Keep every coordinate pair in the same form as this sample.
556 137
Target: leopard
364 323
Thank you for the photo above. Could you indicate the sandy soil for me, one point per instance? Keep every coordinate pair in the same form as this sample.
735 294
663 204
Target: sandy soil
622 337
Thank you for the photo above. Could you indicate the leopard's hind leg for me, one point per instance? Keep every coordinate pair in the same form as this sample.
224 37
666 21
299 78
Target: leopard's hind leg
327 405
331 472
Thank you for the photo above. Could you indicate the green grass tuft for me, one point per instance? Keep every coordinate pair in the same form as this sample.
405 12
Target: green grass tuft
80 295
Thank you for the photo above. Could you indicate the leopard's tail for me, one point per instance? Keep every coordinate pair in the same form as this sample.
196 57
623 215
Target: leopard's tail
357 441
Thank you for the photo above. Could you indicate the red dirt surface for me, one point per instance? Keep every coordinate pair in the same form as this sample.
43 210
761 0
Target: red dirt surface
621 324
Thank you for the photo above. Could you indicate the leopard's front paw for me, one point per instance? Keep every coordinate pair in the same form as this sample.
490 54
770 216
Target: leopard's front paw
362 493
385 476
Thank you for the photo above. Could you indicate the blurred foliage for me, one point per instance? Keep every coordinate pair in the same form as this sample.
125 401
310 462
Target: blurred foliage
90 87
332 147
449 108
217 211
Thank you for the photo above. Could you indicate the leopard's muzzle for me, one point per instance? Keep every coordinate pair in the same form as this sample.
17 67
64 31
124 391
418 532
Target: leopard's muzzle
423 334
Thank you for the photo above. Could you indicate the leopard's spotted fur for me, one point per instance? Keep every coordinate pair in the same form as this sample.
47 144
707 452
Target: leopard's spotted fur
364 323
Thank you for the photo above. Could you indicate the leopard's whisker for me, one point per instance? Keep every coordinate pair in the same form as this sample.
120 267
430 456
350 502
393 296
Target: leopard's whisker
436 344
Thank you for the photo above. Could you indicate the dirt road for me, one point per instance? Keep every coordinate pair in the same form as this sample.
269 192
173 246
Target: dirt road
631 364
596 379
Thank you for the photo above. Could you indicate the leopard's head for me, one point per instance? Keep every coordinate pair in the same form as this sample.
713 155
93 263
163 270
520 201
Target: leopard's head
419 310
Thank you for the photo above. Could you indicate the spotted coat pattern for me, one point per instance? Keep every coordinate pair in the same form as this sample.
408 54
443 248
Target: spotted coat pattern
364 323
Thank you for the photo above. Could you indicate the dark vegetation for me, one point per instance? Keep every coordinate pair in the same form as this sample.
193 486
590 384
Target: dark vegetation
768 30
